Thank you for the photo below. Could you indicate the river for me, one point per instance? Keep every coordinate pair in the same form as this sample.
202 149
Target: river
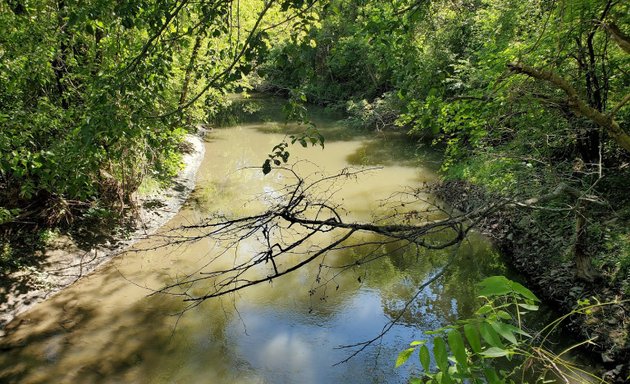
108 328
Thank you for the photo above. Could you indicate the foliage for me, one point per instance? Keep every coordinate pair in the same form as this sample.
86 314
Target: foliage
97 96
92 94
294 110
493 346
346 55
440 69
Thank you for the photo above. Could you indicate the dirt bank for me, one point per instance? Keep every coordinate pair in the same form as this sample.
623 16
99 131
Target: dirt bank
63 262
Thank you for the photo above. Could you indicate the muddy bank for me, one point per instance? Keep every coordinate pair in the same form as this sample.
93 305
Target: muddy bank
533 251
64 262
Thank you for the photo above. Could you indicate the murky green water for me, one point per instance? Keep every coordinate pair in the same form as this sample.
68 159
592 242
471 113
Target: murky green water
106 329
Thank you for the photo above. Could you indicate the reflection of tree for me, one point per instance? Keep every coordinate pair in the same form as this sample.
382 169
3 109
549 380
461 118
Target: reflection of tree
452 297
302 231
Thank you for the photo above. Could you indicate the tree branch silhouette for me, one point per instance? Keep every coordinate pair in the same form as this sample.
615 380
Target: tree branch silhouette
288 234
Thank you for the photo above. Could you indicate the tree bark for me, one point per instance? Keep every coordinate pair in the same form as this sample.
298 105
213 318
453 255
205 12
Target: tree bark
622 40
59 62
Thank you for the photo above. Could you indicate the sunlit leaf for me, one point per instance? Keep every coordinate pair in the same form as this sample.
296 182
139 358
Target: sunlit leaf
529 307
504 330
404 356
504 315
495 352
494 286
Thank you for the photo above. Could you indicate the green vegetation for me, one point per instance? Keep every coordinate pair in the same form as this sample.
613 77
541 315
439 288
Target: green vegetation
95 96
493 346
529 100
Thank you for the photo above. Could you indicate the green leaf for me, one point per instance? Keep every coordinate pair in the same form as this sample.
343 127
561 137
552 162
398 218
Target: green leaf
490 335
425 358
417 342
443 378
266 168
456 342
501 285
495 352
518 288
472 335
494 286
504 330
404 356
504 315
439 352
520 332
529 307
491 376
486 308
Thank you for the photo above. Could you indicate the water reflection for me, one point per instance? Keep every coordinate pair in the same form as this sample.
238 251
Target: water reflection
105 329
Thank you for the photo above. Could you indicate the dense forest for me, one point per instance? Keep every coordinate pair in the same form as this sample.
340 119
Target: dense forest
528 100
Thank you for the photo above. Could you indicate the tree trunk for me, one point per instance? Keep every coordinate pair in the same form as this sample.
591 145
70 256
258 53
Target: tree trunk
59 63
584 267
189 70
17 7
588 142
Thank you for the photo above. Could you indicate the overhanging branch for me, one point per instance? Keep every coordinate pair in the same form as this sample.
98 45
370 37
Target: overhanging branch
576 103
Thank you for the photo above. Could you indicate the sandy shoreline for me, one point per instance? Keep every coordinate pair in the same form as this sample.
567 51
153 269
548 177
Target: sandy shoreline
65 263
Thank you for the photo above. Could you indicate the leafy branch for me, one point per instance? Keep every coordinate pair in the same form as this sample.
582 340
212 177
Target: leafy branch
471 350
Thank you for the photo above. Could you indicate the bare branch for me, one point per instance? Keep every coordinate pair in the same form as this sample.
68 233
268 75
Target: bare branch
286 228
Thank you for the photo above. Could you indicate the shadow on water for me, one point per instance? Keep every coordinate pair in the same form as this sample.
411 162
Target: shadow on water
395 148
83 336
264 109
269 115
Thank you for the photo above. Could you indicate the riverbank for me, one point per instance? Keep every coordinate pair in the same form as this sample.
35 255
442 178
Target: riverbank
554 280
64 262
